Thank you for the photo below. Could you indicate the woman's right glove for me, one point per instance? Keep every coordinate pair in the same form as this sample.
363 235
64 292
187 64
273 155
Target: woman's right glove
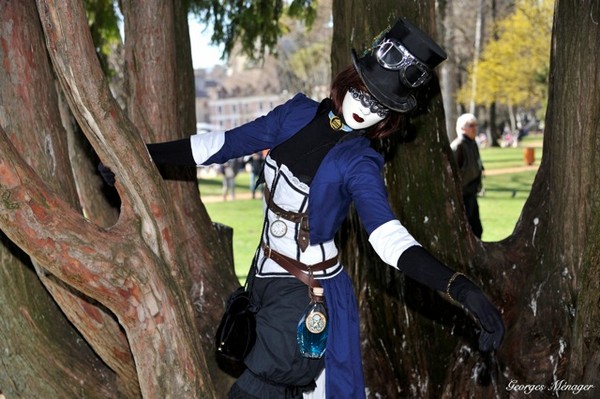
177 152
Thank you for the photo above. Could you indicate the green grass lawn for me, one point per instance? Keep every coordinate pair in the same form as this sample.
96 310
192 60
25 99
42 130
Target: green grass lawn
213 186
505 194
500 158
245 216
500 206
502 202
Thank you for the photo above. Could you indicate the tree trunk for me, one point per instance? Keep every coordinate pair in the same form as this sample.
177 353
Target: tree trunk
26 305
162 101
544 277
393 328
555 334
449 69
149 269
476 53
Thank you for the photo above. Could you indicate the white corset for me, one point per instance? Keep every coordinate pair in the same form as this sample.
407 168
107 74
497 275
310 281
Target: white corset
280 234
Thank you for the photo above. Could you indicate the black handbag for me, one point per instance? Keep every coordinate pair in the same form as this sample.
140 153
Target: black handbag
236 333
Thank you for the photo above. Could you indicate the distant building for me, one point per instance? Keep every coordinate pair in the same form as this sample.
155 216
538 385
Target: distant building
228 113
229 97
204 84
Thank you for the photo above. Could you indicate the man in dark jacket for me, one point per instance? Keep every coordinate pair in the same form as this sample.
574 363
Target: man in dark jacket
470 167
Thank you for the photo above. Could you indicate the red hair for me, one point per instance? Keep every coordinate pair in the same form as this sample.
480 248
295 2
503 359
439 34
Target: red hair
348 78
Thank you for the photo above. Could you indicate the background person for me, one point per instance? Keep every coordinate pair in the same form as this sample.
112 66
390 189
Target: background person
256 162
229 170
470 168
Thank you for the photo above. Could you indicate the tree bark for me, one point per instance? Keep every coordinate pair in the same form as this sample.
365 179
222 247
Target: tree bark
162 102
557 328
145 285
544 277
41 138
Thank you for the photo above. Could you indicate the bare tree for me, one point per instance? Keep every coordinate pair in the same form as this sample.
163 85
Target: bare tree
464 26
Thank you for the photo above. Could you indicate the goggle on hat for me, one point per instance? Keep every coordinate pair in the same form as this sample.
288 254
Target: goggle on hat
398 63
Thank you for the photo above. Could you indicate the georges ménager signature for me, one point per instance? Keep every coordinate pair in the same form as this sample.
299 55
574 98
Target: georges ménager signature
556 386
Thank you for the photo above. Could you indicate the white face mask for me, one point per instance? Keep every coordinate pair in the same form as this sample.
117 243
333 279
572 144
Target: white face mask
361 114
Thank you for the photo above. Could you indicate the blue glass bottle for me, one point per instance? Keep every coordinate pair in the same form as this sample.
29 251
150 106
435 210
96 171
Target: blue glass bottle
313 326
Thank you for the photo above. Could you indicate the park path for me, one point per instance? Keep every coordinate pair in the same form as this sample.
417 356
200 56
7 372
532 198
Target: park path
219 198
516 169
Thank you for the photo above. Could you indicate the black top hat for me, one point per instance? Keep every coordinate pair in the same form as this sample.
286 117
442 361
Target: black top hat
397 64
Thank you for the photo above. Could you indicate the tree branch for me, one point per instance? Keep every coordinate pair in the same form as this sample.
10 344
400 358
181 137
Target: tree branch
106 126
42 216
159 317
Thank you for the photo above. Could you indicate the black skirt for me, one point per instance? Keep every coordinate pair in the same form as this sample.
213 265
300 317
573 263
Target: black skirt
276 369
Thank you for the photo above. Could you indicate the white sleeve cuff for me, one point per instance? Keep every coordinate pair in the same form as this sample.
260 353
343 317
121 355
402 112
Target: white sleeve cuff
204 145
390 240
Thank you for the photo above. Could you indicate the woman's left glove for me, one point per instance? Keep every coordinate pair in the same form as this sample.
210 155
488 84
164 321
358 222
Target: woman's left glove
107 175
421 266
464 291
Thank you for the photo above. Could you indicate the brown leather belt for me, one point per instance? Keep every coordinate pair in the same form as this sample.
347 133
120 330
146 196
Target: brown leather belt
294 217
298 268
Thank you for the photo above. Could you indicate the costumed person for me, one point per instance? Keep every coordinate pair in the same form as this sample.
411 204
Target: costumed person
470 168
320 161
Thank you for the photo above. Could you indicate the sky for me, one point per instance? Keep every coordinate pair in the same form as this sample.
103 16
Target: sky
204 55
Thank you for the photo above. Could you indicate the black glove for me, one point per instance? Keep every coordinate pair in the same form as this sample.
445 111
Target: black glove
473 299
107 174
421 266
178 152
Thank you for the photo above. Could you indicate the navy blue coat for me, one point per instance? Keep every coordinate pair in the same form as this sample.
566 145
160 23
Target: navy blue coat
351 171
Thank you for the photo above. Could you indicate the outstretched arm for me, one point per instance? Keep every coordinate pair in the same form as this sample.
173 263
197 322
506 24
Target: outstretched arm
396 246
421 266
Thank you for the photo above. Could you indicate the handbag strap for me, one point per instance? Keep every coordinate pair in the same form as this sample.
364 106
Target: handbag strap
251 274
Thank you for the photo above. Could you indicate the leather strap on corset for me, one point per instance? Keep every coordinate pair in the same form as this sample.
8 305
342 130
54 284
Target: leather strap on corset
297 268
300 218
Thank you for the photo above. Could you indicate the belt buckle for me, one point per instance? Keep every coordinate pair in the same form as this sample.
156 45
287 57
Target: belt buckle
267 251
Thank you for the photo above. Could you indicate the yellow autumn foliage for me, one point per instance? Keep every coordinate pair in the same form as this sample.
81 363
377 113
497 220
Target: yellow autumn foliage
513 69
